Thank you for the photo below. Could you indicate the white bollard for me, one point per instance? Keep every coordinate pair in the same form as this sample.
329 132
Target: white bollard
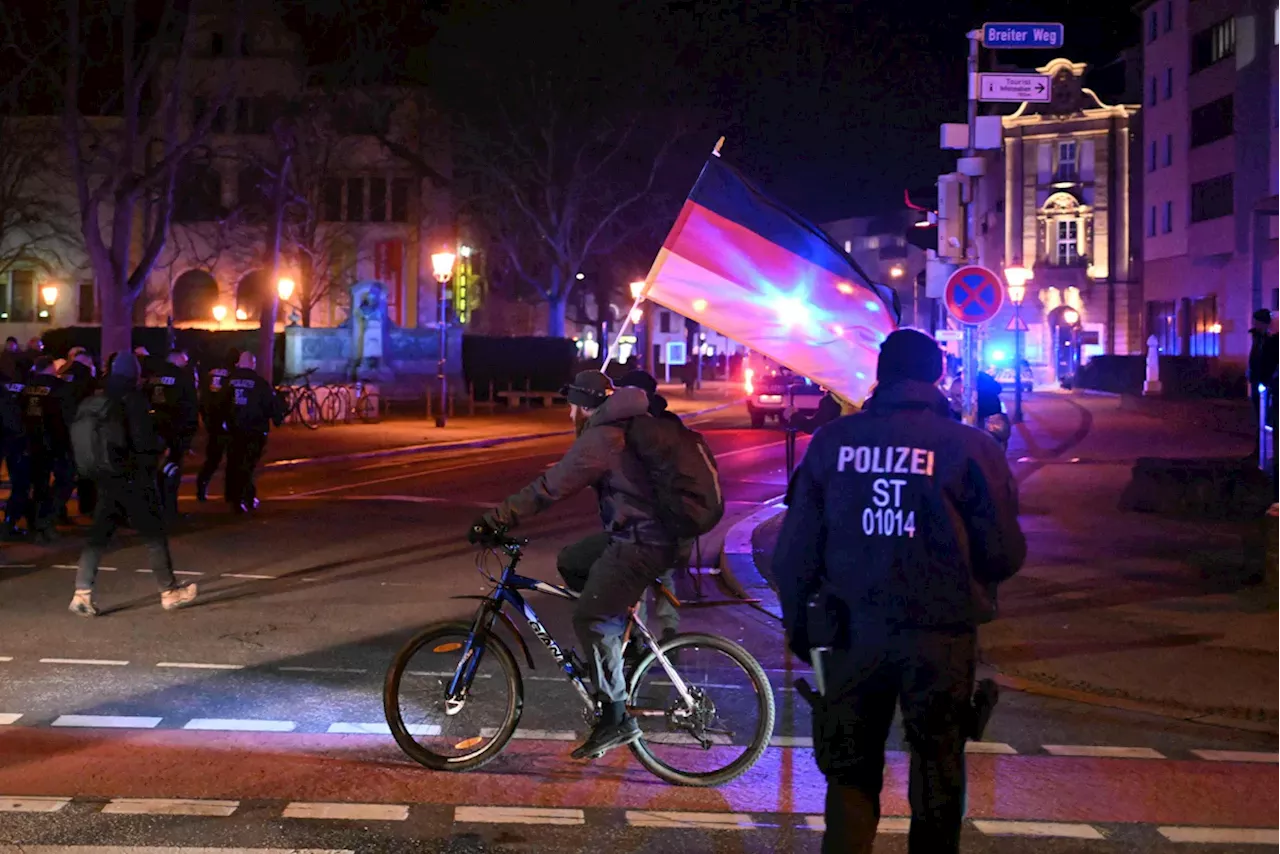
1152 384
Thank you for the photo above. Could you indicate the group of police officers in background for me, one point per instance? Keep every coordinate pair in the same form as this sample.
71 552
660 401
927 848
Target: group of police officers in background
39 398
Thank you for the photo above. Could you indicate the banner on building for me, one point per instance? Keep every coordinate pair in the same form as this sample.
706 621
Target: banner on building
388 268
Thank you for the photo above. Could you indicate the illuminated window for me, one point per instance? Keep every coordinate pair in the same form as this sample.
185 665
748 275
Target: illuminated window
1162 323
1067 243
1204 329
18 297
1213 44
1067 161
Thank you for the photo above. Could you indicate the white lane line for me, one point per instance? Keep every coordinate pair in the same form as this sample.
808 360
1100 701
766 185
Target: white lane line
73 566
198 665
517 815
1042 829
347 812
533 734
1222 835
239 725
1102 752
890 825
249 576
6 658
994 748
170 806
97 662
186 572
1236 756
694 820
323 669
11 804
791 741
7 718
108 721
347 728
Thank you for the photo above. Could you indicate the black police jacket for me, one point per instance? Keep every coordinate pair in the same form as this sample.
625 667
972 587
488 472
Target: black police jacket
48 408
171 392
250 402
900 515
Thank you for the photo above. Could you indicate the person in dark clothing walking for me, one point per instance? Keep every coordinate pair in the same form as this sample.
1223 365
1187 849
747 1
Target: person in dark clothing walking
128 493
250 407
176 411
80 376
46 405
213 401
900 524
13 443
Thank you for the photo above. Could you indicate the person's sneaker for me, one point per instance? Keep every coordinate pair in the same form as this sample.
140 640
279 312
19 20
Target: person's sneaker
605 737
171 600
82 604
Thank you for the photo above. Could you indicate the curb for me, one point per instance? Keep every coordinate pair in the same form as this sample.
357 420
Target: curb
738 562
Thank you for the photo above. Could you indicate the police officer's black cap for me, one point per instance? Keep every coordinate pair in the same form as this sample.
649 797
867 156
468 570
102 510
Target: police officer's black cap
909 354
1262 315
589 389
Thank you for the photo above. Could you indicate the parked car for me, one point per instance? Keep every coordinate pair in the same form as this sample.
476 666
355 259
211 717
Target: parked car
770 392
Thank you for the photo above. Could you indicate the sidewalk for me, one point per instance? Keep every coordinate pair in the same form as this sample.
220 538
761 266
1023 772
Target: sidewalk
1117 608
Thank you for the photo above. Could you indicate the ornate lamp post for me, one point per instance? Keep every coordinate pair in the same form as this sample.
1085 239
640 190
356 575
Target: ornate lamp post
1017 277
442 269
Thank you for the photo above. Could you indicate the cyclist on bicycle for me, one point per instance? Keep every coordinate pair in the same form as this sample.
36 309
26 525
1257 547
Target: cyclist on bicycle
638 551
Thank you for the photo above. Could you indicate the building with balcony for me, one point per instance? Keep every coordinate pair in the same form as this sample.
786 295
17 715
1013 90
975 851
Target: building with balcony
1210 182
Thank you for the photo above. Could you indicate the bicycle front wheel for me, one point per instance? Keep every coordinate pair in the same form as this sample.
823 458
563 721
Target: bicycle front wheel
726 727
368 408
332 410
309 409
465 732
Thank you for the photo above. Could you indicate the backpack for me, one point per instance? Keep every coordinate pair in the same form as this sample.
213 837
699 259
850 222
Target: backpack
98 438
682 470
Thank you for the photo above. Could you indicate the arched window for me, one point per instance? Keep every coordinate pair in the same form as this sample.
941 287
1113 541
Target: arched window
251 293
195 293
1064 219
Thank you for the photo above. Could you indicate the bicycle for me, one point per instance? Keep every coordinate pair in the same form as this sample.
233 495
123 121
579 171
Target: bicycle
336 406
301 400
368 405
678 718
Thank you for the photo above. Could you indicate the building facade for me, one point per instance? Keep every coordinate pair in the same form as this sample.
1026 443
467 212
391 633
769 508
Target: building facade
1069 209
1210 174
879 245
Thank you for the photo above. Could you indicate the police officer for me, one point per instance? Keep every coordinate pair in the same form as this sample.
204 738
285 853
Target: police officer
80 375
172 397
900 523
13 444
250 404
213 412
45 402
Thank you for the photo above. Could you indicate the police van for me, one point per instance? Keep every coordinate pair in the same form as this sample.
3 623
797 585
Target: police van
771 388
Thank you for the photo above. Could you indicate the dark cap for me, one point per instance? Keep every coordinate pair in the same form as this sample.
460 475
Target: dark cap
909 354
1262 315
589 389
125 365
641 380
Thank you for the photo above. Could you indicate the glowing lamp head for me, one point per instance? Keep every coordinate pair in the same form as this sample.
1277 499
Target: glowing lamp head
285 287
464 251
1017 277
219 313
1071 316
637 315
998 355
637 288
699 305
241 314
442 266
50 294
896 271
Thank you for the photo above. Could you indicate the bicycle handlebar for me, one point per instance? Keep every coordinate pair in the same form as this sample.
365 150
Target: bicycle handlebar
482 535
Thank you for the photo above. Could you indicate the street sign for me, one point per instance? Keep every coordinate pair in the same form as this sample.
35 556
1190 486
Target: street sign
974 294
1022 35
945 335
1016 88
1016 324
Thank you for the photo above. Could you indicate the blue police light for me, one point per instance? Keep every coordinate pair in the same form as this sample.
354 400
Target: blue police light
998 355
872 305
791 311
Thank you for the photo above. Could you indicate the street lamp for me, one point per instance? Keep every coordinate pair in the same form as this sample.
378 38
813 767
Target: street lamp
219 313
442 269
284 287
50 294
896 271
1017 277
1072 318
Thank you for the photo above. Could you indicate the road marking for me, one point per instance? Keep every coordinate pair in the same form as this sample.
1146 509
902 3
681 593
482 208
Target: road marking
441 470
347 812
32 804
97 662
186 572
323 669
249 576
1222 835
516 815
7 718
6 658
170 806
990 747
887 825
344 728
108 721
1058 829
752 449
74 566
239 725
791 741
694 820
1236 756
197 665
533 734
1101 752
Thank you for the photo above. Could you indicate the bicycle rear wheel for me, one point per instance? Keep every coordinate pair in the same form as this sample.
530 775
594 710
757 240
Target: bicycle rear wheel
447 735
308 409
368 407
729 725
332 409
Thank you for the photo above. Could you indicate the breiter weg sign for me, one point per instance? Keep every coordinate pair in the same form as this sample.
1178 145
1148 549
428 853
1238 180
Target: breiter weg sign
974 294
1022 35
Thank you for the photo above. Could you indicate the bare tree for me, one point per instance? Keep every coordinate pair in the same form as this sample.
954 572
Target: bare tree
37 217
124 170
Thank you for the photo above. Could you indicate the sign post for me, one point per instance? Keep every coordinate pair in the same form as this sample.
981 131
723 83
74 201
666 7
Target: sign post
973 296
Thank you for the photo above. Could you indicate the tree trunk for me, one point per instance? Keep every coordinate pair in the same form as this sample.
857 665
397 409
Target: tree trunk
271 299
306 289
556 307
117 321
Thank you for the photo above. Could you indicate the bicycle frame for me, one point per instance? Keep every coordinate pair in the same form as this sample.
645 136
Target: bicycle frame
508 592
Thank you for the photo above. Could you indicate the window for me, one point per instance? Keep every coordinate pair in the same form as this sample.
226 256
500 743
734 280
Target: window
1066 251
355 200
664 322
1153 27
87 308
18 296
1166 219
1151 222
197 193
1203 328
1168 16
1168 83
1067 161
1213 44
377 200
1151 160
332 202
1213 121
1151 94
1213 198
1162 322
399 199
1168 149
